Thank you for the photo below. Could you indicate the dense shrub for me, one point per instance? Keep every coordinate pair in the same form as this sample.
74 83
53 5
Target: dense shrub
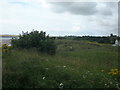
35 39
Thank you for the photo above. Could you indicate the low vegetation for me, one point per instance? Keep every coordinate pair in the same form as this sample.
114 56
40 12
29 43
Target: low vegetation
100 39
76 64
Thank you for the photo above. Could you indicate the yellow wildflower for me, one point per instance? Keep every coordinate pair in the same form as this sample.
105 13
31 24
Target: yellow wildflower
112 70
116 69
114 73
5 50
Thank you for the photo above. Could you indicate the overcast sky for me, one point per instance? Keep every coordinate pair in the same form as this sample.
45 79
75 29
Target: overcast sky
59 18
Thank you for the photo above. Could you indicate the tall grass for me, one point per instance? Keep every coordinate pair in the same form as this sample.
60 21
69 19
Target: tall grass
76 67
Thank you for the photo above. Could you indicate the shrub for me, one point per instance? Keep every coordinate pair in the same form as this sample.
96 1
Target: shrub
35 39
6 49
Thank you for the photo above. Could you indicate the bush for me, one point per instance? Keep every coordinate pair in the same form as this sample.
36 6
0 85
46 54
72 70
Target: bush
35 39
6 49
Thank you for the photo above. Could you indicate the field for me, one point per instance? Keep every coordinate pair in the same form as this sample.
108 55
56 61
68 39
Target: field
76 64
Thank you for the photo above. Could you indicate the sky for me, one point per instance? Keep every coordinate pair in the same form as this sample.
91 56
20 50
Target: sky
59 18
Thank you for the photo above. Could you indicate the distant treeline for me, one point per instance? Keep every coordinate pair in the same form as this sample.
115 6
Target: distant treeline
100 39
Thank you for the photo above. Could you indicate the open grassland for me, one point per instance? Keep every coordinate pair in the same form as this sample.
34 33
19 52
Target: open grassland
76 64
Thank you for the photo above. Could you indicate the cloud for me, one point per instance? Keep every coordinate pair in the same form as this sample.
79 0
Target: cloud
85 8
18 3
77 8
76 28
107 8
106 24
68 18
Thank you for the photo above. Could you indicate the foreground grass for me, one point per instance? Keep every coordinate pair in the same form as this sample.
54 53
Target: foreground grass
77 64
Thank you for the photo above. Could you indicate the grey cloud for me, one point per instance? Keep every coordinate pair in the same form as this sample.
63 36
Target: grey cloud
85 8
109 8
110 24
77 8
106 12
111 4
119 18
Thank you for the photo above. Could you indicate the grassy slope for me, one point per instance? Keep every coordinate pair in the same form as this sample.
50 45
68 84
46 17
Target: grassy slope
79 67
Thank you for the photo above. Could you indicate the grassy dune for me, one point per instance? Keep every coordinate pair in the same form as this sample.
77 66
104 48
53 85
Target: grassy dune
9 35
77 64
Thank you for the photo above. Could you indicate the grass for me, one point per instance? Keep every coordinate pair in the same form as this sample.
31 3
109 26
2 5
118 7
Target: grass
76 67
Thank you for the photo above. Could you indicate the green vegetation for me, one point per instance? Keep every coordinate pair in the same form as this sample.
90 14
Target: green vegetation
100 39
76 64
6 49
37 40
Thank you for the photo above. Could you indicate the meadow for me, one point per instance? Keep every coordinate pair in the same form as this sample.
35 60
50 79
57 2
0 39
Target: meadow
76 64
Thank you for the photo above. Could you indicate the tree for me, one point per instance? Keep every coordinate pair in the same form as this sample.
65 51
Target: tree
112 38
35 39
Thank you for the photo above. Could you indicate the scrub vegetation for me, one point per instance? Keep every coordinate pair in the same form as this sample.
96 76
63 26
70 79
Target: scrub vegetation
76 64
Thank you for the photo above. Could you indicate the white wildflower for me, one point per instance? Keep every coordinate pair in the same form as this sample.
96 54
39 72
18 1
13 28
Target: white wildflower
46 68
83 76
64 66
71 47
117 85
61 85
43 78
105 84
